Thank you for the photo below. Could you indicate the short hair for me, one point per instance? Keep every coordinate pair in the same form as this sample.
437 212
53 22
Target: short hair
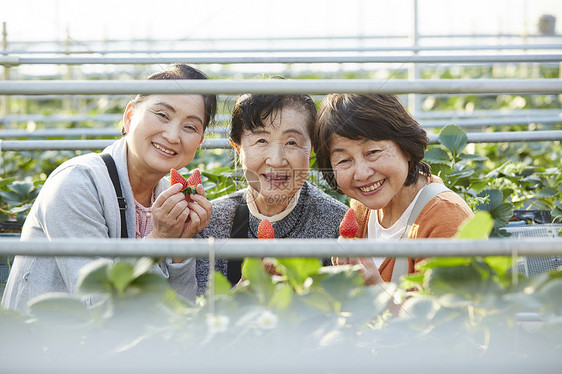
183 71
250 110
376 117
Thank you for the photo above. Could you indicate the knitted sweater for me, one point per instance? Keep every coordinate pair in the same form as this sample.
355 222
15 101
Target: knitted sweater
440 218
316 215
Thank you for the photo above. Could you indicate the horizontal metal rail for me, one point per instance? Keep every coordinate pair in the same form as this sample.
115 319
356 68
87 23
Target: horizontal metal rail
109 117
272 59
315 49
84 145
310 86
527 115
85 132
361 38
315 248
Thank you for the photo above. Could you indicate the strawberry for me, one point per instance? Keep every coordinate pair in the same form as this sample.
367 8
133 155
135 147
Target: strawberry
348 225
176 177
194 179
265 230
188 186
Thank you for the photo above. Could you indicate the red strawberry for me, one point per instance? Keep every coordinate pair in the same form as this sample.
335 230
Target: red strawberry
265 230
176 177
188 186
195 178
348 225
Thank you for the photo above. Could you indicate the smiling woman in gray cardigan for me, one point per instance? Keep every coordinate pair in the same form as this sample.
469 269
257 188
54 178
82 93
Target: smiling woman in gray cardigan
78 199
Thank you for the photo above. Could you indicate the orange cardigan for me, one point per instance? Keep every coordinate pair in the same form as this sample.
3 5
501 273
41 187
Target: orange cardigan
440 218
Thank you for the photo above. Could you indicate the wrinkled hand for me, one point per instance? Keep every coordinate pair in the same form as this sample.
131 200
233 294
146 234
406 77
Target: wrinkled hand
368 269
169 213
174 217
199 215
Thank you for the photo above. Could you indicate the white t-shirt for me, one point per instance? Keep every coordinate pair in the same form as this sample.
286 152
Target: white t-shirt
394 232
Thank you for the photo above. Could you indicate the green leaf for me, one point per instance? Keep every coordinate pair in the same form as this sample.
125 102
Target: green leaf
60 309
142 265
441 262
282 297
298 270
149 283
21 188
473 157
121 275
546 192
222 285
437 156
495 198
461 280
502 214
477 227
454 138
501 265
260 281
94 277
462 173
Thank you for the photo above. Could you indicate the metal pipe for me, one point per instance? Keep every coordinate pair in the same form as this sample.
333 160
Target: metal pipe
311 86
358 49
512 116
110 117
92 145
287 38
114 132
313 59
315 248
84 145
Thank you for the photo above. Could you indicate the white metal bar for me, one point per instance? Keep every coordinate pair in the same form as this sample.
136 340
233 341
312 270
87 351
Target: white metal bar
318 248
311 86
520 115
222 130
269 59
282 38
84 145
359 49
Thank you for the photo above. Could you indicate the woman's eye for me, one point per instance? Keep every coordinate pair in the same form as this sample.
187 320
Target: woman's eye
162 115
261 141
342 162
291 142
190 127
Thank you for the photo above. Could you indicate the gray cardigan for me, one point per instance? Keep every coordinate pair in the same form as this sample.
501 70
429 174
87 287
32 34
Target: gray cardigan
78 201
316 215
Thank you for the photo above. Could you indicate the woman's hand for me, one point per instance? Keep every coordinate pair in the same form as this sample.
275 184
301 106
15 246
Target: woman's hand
199 215
169 212
368 269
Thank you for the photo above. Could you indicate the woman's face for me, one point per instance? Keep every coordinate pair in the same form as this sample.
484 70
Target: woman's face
372 172
275 158
163 132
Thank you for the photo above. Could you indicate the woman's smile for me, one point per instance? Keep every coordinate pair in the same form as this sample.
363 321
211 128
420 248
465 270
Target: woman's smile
276 179
372 187
164 149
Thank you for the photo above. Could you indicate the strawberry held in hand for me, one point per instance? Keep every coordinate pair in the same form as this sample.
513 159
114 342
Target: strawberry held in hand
188 186
265 230
348 225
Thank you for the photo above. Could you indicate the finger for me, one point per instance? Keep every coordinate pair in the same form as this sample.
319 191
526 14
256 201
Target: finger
173 206
176 188
202 201
200 190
